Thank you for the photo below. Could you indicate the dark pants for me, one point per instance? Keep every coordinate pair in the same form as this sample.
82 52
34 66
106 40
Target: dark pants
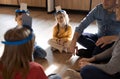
88 41
39 52
91 72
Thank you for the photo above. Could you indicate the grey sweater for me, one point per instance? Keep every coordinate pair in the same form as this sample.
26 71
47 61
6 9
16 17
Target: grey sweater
113 66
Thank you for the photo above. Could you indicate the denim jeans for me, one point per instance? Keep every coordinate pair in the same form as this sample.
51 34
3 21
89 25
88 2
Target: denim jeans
88 40
91 72
54 76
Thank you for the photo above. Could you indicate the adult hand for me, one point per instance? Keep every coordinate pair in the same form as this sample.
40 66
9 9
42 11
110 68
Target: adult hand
72 48
87 59
84 60
103 41
82 64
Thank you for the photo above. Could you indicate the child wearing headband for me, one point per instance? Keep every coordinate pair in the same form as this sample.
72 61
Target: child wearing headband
38 51
62 32
16 61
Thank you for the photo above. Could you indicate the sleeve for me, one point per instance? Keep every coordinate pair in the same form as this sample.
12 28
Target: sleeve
55 30
106 54
41 74
87 20
112 66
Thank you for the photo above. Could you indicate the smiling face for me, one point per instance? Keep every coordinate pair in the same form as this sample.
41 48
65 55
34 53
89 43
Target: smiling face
108 4
60 19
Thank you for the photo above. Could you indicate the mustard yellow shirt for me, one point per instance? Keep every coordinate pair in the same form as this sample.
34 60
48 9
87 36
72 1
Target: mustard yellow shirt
63 33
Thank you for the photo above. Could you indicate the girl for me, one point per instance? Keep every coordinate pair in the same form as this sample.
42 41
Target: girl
61 33
16 61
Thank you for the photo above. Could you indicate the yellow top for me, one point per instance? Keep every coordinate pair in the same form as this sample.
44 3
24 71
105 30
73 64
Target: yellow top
63 33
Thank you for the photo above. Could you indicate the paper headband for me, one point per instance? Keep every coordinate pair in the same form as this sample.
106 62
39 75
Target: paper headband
20 41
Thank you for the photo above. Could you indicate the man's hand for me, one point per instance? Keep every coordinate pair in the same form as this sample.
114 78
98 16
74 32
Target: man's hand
103 41
72 48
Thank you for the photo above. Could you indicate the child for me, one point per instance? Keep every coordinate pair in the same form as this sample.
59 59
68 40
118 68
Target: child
61 33
16 61
38 51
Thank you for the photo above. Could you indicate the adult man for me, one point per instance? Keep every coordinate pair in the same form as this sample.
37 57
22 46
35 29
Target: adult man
108 28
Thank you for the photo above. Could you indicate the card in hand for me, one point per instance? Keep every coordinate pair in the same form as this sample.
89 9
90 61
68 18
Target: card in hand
26 21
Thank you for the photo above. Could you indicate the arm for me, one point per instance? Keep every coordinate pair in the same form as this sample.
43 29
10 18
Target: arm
103 55
84 23
93 15
55 30
73 42
112 66
106 54
103 41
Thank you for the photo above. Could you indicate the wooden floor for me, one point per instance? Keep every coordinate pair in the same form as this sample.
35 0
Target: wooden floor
43 23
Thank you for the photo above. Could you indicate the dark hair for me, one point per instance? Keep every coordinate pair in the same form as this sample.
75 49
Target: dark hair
16 58
18 14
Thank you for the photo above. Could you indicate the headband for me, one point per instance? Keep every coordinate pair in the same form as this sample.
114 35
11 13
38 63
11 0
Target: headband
20 41
22 11
61 11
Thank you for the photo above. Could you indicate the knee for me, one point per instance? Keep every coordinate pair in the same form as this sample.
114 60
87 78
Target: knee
51 41
86 72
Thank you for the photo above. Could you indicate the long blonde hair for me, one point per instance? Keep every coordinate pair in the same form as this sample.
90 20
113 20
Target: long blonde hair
16 58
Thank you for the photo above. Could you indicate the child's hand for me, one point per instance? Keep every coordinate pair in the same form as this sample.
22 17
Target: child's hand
58 41
62 42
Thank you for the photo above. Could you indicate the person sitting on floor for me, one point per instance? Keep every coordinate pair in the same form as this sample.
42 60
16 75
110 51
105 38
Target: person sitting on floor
16 61
38 51
61 33
109 70
105 16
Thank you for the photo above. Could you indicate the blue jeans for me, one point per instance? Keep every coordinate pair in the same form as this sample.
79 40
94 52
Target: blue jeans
91 72
88 40
39 52
54 76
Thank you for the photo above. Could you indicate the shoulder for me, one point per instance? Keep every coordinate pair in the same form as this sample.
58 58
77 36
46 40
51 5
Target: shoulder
97 11
36 71
55 26
98 7
35 66
69 26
